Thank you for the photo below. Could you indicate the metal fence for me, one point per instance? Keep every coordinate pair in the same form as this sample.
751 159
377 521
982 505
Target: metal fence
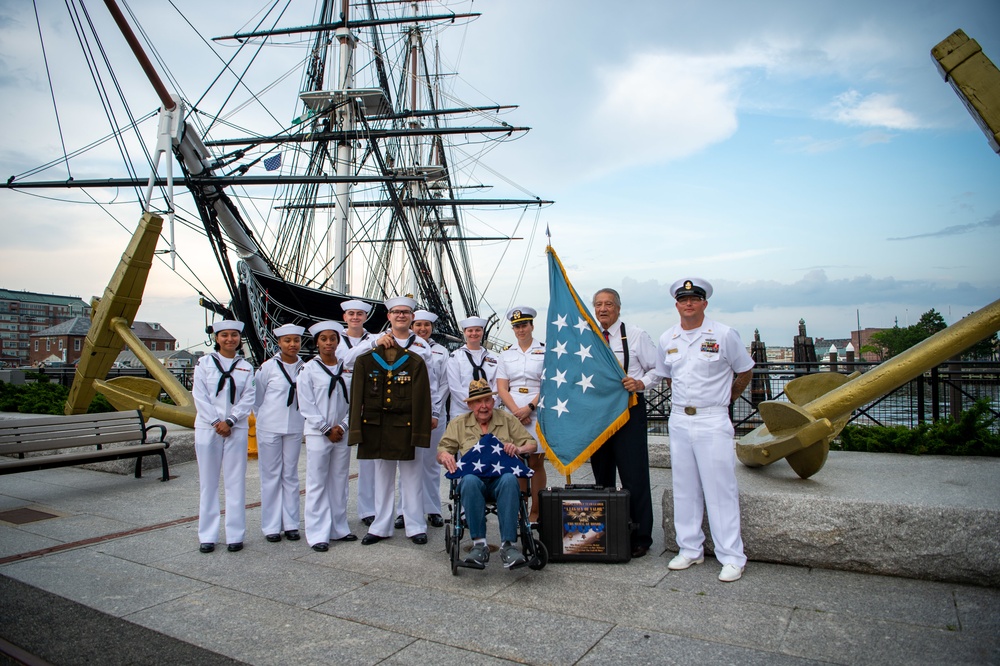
943 391
946 390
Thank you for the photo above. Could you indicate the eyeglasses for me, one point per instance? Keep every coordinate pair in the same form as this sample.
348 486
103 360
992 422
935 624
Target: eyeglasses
694 299
400 313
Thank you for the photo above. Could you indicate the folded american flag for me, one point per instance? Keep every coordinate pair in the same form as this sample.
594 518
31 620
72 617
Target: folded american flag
488 460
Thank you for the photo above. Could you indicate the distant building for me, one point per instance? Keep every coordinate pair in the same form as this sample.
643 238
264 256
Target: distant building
864 337
65 340
823 348
178 359
23 313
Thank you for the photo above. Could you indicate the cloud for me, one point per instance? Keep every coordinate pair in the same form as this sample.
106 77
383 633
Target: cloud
874 110
955 230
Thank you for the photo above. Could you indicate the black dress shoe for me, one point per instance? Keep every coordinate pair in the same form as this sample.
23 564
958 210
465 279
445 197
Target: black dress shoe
640 551
235 547
349 537
321 547
419 539
206 547
435 520
292 535
368 520
399 523
370 538
273 538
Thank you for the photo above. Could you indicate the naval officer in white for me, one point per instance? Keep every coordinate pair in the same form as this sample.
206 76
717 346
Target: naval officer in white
699 358
279 436
223 395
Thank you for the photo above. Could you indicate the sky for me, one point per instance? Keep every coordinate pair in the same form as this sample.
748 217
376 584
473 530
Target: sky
804 157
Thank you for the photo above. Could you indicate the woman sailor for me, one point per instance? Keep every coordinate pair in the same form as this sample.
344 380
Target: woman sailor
279 436
519 379
468 362
323 401
224 395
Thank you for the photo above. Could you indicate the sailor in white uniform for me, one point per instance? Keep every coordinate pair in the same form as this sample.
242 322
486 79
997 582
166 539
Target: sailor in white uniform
356 341
699 357
279 436
223 392
468 362
519 377
323 401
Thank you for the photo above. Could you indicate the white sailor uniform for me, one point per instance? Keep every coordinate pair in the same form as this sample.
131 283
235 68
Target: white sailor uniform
700 364
279 443
430 469
223 390
523 371
323 395
464 365
347 352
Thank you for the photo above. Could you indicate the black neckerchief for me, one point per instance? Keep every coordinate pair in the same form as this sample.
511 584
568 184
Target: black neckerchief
334 380
347 340
226 374
477 370
291 384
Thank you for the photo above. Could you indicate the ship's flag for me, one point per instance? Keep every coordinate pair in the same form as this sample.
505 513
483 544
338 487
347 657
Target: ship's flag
272 163
582 401
487 459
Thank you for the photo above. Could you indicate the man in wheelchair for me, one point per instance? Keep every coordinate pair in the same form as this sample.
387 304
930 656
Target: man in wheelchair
462 435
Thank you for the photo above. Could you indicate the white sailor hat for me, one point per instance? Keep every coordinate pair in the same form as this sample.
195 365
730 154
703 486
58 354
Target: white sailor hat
691 287
319 327
288 329
227 325
404 301
469 322
521 315
355 304
424 315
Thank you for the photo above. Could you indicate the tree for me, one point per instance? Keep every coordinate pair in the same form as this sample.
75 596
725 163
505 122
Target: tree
896 340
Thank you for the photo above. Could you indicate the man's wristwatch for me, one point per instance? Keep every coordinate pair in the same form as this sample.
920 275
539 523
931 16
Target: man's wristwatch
531 406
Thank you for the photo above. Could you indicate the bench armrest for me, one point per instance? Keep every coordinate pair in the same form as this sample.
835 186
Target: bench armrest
163 430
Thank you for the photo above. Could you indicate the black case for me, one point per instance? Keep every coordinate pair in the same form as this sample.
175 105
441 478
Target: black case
585 523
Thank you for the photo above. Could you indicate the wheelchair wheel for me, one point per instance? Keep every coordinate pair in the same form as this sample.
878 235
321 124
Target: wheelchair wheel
541 557
447 534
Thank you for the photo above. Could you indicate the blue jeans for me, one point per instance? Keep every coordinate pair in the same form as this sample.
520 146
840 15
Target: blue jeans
503 490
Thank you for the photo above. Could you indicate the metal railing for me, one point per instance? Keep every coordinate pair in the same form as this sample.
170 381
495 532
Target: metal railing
945 390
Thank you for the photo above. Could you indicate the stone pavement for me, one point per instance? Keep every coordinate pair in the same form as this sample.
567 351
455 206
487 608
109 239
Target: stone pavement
115 576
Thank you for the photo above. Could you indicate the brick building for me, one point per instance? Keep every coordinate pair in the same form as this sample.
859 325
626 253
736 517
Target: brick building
63 342
23 313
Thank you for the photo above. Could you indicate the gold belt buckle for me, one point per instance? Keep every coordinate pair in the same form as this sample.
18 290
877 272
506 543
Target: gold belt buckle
523 389
690 411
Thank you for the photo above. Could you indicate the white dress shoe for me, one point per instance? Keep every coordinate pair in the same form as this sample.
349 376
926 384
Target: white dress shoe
730 573
679 563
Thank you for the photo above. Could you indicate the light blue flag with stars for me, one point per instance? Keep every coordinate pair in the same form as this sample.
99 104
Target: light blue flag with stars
582 401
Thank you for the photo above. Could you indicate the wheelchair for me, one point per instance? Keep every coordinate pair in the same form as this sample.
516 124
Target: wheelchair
534 551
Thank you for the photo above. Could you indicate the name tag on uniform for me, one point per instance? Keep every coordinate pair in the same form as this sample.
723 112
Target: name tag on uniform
672 350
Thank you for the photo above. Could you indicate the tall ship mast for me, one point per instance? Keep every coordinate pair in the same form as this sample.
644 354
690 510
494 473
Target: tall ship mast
362 193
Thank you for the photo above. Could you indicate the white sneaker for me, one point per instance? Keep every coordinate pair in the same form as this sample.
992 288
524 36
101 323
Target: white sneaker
731 573
679 563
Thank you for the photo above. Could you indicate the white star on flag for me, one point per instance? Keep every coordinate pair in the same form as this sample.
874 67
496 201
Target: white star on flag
584 382
581 325
497 448
560 378
560 322
560 349
584 353
498 468
478 466
561 406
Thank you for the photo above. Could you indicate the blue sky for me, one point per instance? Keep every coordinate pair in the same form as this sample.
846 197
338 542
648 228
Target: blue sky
805 157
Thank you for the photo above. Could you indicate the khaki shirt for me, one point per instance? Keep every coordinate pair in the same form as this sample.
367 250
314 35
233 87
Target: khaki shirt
463 432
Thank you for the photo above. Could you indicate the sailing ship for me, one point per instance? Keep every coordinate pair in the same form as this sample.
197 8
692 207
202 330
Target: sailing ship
366 187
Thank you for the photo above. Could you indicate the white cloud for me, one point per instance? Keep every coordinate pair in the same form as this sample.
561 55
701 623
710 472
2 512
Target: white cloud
874 110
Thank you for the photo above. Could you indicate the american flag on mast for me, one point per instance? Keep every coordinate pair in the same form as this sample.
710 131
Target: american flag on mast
582 401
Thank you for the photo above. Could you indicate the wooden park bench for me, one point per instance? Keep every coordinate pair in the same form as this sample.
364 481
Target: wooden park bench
78 439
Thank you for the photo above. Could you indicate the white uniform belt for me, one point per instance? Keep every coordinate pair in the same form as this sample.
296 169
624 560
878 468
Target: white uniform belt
704 411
